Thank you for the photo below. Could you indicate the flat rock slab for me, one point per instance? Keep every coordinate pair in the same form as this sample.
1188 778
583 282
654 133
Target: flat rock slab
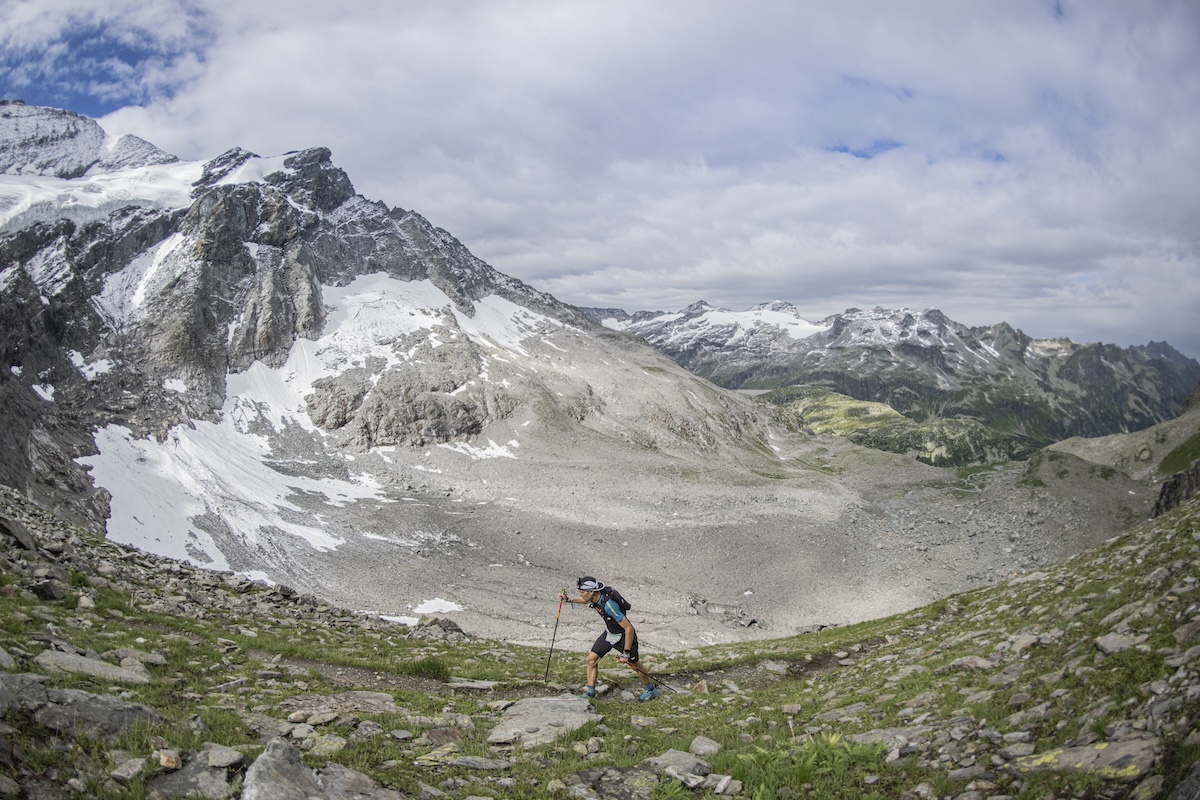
17 531
141 656
77 713
536 721
57 661
682 762
470 683
613 783
892 737
22 691
1116 642
1121 761
358 702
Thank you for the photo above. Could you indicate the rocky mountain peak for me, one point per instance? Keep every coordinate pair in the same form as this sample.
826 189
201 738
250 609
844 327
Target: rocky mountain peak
697 308
35 140
47 141
781 306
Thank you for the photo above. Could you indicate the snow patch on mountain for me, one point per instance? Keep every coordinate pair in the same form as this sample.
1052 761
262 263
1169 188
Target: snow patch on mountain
25 199
224 470
701 319
161 489
89 370
56 164
256 169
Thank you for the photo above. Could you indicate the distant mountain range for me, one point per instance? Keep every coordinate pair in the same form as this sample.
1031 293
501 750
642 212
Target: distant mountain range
1029 392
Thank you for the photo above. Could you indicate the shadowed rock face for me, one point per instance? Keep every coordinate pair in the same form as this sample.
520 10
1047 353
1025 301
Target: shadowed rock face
1193 399
1177 489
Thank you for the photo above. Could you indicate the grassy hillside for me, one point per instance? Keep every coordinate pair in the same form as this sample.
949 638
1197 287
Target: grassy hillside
941 442
975 696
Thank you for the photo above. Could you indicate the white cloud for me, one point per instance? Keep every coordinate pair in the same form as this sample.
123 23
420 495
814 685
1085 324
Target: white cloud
1033 161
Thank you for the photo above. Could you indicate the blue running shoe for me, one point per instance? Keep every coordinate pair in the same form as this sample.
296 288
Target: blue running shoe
590 694
650 693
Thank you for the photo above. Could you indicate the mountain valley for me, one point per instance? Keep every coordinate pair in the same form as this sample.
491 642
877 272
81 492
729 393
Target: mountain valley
244 364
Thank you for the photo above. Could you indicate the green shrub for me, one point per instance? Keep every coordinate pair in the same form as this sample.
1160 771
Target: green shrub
434 668
828 763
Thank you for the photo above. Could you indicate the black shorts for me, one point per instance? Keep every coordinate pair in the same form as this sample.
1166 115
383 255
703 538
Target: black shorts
602 646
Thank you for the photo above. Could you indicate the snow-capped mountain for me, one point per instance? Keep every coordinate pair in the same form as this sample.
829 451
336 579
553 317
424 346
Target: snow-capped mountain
50 142
243 363
927 366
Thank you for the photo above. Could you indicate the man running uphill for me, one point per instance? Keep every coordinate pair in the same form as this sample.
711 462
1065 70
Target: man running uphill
619 634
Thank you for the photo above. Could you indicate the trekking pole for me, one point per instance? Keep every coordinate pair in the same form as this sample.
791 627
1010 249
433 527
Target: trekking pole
553 636
641 671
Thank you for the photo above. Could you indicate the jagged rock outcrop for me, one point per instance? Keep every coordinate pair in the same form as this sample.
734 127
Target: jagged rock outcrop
1193 399
1177 489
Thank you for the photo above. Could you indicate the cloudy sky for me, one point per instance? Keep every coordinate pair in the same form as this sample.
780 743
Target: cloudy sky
1030 161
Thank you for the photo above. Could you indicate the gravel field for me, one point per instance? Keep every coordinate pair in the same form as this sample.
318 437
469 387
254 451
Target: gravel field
706 553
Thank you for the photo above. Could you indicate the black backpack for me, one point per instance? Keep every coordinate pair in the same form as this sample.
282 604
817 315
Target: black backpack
609 593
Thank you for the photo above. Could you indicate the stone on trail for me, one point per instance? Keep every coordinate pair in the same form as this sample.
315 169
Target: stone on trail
280 774
78 713
351 702
195 779
469 683
1129 760
679 761
58 661
536 721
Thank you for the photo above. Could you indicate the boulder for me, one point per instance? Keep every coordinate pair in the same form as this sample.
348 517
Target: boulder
1129 760
535 721
77 714
57 661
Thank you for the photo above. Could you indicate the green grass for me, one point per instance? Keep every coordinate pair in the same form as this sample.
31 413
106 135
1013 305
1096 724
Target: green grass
1181 457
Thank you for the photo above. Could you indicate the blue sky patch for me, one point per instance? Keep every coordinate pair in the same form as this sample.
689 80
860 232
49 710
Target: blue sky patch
96 68
877 147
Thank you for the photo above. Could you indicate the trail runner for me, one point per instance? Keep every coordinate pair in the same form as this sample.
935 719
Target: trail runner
619 634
